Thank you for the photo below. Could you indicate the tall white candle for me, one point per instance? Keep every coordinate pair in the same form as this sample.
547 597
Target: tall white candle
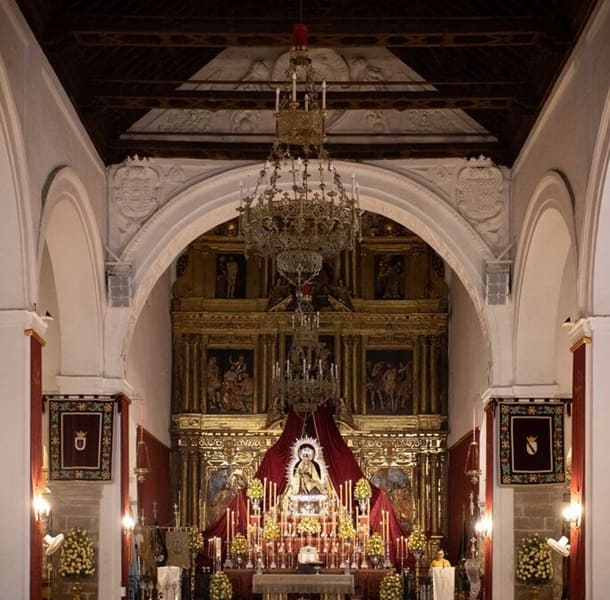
277 99
294 87
323 95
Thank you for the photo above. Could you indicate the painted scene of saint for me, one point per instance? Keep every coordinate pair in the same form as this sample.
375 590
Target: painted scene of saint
389 277
229 381
230 276
389 382
397 486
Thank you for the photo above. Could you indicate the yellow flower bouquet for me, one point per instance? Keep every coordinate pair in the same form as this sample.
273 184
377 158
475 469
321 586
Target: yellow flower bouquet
374 545
255 489
346 529
417 541
195 539
220 587
362 489
309 525
77 558
239 545
391 587
271 530
534 561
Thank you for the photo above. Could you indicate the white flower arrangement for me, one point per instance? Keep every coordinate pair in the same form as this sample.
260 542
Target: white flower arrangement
220 587
391 587
534 561
77 558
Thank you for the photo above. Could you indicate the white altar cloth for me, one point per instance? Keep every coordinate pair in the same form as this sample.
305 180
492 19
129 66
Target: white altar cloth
277 585
443 582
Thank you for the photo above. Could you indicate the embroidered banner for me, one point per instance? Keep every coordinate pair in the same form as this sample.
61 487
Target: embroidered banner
531 443
80 439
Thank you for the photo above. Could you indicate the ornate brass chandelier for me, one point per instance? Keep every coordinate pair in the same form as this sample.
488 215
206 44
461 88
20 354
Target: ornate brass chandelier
309 378
299 211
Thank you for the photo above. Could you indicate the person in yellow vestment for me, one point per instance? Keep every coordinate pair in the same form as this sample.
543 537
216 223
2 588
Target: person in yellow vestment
440 560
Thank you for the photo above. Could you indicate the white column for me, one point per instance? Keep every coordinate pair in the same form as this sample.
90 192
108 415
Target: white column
15 498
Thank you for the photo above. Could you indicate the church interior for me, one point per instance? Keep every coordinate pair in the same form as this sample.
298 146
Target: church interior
305 300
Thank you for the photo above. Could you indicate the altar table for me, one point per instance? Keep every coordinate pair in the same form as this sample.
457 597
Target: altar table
277 586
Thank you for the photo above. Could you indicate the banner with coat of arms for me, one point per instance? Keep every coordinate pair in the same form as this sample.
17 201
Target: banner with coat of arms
531 443
80 439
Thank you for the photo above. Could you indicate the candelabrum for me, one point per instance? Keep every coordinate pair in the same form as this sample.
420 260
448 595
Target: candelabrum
418 556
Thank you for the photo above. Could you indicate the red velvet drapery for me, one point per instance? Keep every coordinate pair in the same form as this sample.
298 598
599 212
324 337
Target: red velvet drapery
577 484
342 467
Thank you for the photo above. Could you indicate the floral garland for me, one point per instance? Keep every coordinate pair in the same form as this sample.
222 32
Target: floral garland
391 587
534 561
346 529
374 545
195 540
239 544
255 489
77 557
271 530
220 587
417 541
362 490
309 525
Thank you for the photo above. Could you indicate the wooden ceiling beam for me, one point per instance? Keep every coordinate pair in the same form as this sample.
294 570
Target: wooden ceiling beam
170 31
471 97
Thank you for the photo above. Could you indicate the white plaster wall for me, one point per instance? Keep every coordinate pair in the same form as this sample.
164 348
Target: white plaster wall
52 132
564 136
468 363
149 362
48 302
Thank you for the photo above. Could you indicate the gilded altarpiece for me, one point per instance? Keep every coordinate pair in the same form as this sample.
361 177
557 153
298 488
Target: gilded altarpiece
383 318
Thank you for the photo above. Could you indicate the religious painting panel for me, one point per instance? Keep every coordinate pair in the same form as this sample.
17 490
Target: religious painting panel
221 487
326 353
389 276
397 485
229 381
230 276
389 382
80 439
531 443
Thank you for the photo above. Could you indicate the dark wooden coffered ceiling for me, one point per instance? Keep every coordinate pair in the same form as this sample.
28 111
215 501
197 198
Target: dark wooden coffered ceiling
494 59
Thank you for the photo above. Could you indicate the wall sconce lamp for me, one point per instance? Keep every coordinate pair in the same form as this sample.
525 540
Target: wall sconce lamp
42 510
129 524
483 527
573 513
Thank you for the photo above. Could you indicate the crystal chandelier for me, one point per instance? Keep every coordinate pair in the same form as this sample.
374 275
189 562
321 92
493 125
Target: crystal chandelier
308 379
299 211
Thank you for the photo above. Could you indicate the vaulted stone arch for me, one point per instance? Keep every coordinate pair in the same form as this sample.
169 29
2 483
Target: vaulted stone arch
545 281
17 260
69 231
594 267
390 193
